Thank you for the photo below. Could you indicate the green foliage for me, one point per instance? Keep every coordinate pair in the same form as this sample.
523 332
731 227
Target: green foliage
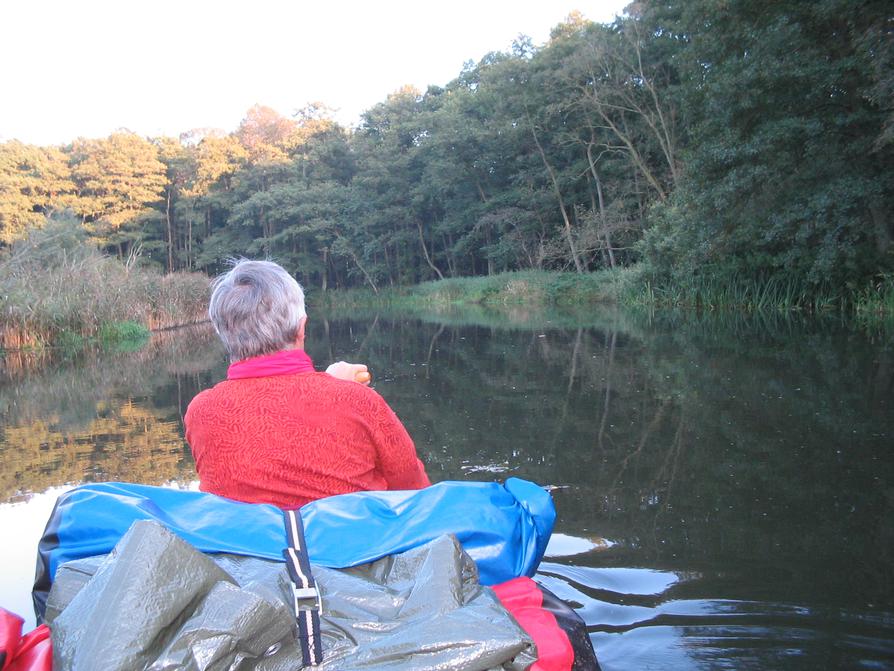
69 343
125 336
513 288
34 181
117 179
787 182
875 303
741 150
718 291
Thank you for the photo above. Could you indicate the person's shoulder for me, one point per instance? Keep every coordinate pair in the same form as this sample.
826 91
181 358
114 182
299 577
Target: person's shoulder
219 388
206 396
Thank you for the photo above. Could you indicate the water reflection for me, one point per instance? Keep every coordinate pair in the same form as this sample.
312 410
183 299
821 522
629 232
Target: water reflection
23 523
127 441
109 417
641 625
563 545
741 469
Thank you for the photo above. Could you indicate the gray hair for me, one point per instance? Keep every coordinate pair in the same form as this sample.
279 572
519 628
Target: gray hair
256 308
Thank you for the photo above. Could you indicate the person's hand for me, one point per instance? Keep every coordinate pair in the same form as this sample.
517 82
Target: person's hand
353 372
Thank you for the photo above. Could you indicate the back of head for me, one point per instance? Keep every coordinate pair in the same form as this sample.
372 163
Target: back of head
256 308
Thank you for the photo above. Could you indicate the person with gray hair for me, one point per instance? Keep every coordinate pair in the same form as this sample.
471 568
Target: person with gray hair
256 308
276 430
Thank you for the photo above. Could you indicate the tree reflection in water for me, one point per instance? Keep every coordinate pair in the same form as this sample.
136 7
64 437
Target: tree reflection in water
744 461
105 416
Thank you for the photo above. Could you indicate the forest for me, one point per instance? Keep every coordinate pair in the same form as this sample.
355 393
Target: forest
706 141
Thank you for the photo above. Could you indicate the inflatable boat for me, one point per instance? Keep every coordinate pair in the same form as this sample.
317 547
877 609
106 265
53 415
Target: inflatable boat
134 576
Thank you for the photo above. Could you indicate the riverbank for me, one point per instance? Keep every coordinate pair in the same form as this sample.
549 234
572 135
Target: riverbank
64 296
512 288
629 287
58 291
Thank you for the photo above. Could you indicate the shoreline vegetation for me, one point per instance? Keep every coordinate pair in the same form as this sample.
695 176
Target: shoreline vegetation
60 293
627 287
57 290
609 164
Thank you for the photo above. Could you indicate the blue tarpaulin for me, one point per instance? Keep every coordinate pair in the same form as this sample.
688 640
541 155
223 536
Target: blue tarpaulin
503 527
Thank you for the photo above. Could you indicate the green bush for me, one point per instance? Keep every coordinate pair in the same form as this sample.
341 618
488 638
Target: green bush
116 332
68 342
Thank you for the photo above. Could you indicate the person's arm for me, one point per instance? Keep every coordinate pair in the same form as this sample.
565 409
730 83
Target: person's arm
396 455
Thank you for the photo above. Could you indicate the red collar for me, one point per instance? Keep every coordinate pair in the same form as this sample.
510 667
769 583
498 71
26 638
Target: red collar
284 362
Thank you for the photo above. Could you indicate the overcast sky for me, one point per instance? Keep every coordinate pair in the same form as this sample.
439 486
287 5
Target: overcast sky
75 68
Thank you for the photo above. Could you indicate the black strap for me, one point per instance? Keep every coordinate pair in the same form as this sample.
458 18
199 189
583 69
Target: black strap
303 589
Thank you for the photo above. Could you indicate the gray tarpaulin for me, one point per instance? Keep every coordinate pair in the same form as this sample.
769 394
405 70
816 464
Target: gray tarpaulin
158 604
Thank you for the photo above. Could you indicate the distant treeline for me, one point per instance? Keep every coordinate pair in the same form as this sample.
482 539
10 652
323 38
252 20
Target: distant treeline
745 140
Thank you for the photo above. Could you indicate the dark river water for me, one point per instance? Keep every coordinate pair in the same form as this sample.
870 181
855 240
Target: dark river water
724 485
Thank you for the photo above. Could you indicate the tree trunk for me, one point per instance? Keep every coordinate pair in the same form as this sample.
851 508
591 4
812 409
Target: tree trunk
552 175
490 261
170 234
451 262
361 268
388 264
883 238
594 208
602 218
425 251
480 191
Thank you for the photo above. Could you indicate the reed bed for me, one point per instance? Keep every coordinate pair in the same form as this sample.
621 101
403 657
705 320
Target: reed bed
55 291
713 293
878 298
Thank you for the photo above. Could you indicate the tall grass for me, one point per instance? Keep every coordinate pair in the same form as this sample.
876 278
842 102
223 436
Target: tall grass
876 302
55 288
749 294
627 286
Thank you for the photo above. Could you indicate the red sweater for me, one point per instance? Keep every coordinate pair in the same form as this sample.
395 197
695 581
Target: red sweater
290 439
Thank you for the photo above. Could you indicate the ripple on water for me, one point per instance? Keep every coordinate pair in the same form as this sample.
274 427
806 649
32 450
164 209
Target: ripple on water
637 621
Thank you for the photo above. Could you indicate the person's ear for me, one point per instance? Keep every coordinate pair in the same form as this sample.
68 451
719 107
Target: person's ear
299 334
